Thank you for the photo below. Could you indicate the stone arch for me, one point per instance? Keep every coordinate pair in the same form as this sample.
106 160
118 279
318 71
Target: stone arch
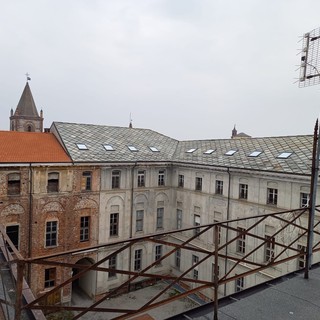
87 282
11 209
52 206
86 203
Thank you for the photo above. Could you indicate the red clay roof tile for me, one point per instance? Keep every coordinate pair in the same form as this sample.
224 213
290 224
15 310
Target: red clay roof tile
27 147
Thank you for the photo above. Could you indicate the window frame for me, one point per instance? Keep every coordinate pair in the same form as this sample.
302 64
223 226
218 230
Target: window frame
179 218
180 181
158 253
272 196
219 187
53 182
160 218
51 235
50 276
112 265
243 191
198 182
269 248
161 177
141 181
241 241
137 260
84 228
86 181
114 224
115 179
139 220
14 184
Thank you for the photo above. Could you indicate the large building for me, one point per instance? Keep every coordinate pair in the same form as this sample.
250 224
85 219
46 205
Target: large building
80 185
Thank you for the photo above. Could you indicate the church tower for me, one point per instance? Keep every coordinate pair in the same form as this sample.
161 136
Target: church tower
26 117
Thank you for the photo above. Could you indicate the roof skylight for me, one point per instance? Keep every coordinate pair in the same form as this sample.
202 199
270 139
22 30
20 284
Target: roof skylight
108 147
132 148
284 155
191 150
209 151
255 154
154 149
230 152
82 146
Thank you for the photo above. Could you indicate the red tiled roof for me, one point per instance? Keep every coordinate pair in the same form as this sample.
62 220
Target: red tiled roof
26 147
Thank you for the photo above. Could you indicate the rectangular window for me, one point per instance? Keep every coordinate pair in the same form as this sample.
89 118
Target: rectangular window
179 218
114 224
239 284
269 249
115 179
302 258
178 258
86 181
272 196
139 220
243 191
160 212
181 181
219 187
49 277
196 222
138 260
158 253
161 181
241 241
51 233
198 183
13 233
195 271
13 184
53 182
84 228
304 200
141 178
112 266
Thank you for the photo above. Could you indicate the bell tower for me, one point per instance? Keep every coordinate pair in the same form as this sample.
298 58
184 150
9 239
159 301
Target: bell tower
26 117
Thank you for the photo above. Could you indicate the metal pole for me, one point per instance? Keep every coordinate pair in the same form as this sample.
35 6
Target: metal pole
19 286
313 193
216 269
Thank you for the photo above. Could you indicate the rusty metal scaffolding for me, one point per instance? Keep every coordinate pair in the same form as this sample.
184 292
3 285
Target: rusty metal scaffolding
282 253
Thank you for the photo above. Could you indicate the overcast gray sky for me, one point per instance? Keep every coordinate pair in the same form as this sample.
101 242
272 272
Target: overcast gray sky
189 69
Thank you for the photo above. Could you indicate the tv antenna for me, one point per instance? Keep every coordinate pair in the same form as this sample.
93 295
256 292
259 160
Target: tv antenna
310 59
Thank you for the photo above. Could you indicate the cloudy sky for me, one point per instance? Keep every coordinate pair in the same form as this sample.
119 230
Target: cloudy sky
189 69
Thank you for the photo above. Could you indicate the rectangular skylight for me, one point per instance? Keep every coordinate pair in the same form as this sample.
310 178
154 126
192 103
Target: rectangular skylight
284 155
153 149
255 154
132 148
108 147
191 150
82 146
209 151
230 152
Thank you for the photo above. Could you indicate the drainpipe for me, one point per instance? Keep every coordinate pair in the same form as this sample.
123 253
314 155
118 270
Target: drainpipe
227 230
131 218
30 222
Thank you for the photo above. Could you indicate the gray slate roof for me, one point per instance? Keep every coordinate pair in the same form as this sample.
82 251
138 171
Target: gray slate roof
95 136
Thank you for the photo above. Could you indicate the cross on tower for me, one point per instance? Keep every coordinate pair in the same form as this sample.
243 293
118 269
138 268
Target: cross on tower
27 75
